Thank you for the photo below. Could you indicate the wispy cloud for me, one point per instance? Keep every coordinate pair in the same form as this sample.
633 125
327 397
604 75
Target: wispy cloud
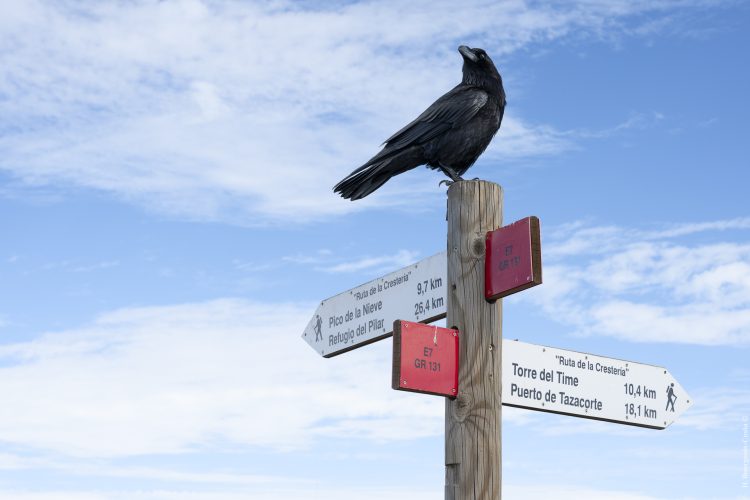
585 237
250 112
326 261
105 264
637 121
176 378
316 257
717 408
525 492
649 286
568 492
70 266
401 258
280 492
100 469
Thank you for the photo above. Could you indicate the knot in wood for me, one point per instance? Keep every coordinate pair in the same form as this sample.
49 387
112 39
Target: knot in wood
462 406
478 247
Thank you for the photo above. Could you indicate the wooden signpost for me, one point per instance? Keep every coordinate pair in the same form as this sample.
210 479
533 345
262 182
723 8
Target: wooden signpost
469 362
472 420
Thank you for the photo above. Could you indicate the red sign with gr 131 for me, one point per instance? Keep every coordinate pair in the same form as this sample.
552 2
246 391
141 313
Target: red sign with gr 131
425 359
513 258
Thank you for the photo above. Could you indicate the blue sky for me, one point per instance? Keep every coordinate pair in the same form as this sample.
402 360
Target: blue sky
168 228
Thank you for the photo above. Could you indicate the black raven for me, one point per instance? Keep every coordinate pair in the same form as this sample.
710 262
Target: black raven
449 136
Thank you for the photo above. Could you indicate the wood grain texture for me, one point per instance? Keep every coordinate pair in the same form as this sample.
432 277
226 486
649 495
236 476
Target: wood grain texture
473 419
536 250
396 368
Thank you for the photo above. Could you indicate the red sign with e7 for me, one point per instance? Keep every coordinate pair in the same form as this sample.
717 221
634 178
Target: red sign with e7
513 258
425 359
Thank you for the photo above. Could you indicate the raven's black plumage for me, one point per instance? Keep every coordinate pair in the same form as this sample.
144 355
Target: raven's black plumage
449 136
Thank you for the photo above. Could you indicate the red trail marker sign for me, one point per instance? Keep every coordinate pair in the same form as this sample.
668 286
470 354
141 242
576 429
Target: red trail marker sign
514 258
425 359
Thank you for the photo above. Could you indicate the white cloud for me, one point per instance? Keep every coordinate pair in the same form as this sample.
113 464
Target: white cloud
401 258
279 493
521 492
169 379
194 377
326 261
637 121
648 286
563 492
584 237
251 111
316 257
717 408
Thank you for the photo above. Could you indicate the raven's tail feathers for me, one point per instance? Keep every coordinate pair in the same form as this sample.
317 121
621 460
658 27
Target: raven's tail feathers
370 177
359 184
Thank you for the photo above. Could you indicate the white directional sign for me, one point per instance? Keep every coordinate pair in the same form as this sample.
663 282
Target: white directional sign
366 313
585 385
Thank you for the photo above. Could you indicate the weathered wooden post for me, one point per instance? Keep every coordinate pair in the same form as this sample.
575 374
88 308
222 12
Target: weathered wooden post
473 420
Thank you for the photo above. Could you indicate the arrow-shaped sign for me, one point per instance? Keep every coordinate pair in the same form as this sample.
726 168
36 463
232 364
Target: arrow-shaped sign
574 383
366 313
418 292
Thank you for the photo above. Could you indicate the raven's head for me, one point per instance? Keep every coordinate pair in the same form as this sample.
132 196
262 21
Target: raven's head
479 69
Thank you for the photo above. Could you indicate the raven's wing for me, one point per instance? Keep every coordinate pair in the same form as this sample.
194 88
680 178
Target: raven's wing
454 109
451 110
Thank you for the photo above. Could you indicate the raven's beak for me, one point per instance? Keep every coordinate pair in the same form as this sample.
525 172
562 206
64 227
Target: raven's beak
468 53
